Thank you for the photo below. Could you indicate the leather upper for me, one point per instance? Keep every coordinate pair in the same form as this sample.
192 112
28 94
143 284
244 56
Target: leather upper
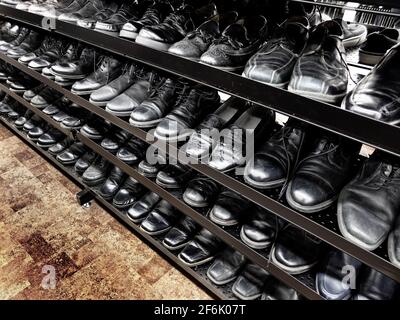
141 208
377 94
201 192
181 233
161 219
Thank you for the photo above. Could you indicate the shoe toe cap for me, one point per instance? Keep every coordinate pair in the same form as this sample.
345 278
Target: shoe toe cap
38 63
150 33
143 114
196 196
264 171
185 48
105 93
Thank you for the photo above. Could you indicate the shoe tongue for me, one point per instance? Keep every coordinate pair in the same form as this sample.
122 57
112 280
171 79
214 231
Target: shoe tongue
320 33
237 32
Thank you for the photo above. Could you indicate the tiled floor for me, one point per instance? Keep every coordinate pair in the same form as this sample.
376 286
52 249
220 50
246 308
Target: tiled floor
42 229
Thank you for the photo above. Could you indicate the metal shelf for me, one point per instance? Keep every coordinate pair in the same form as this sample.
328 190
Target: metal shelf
198 274
324 231
320 114
230 237
380 3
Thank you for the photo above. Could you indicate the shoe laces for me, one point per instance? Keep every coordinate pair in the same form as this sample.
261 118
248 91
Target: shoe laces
226 39
205 36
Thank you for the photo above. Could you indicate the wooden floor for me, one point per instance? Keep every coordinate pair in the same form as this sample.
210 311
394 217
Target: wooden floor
42 228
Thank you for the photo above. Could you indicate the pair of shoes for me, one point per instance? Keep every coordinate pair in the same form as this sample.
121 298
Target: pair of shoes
227 50
311 171
309 63
369 206
367 284
10 108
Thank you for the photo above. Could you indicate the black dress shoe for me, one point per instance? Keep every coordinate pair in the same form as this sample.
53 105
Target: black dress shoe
141 208
45 60
274 162
368 205
321 72
153 109
29 94
45 97
102 96
19 123
329 281
261 230
204 139
250 283
174 27
296 251
277 290
174 176
108 70
72 154
178 123
322 174
130 192
153 15
85 162
201 192
34 121
373 97
229 209
198 41
143 84
377 44
37 131
161 219
30 43
150 170
78 68
50 138
226 267
7 105
97 172
133 151
375 286
238 43
114 23
95 129
22 84
181 234
201 249
16 42
273 64
230 152
46 45
61 146
115 140
112 184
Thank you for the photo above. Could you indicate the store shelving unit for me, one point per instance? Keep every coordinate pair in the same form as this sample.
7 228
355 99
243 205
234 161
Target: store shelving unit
326 116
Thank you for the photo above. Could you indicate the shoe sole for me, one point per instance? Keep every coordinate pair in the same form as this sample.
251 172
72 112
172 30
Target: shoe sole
136 221
40 107
194 204
355 41
45 146
167 186
119 114
219 283
66 163
174 248
122 206
391 249
68 77
349 236
110 33
195 264
369 58
252 244
173 139
69 128
94 183
162 46
156 233
331 99
307 209
222 222
98 103
298 270
18 91
145 125
82 93
128 34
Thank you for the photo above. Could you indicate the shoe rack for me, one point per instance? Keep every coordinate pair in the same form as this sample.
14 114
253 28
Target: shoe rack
323 226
